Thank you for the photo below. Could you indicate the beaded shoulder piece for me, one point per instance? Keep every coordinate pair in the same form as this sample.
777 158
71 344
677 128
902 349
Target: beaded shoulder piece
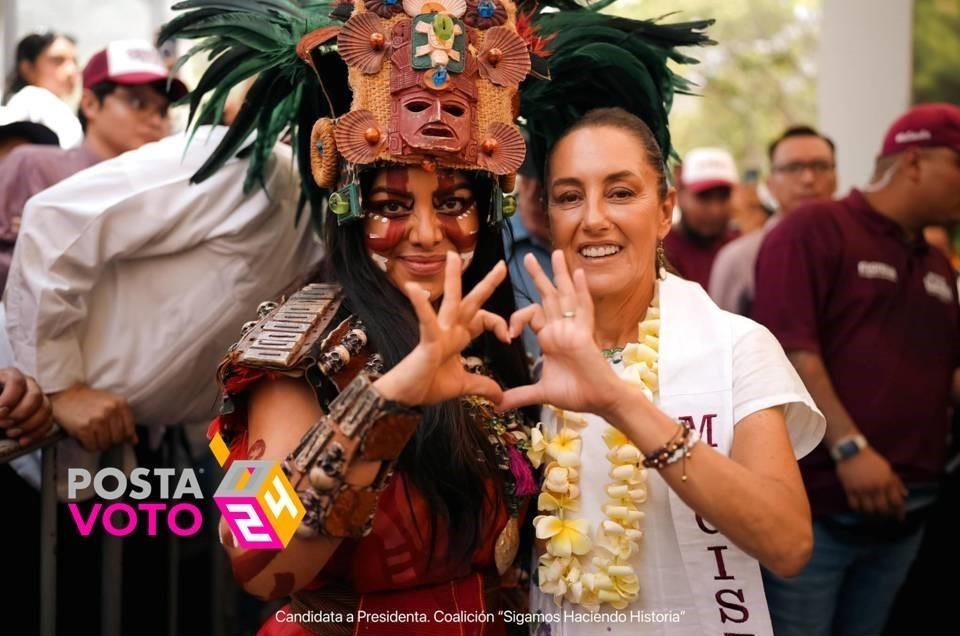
294 338
288 334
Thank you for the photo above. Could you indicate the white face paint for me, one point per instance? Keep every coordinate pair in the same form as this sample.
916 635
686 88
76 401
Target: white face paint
380 261
466 257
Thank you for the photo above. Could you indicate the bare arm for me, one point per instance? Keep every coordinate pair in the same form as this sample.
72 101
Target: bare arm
871 485
813 372
280 413
755 497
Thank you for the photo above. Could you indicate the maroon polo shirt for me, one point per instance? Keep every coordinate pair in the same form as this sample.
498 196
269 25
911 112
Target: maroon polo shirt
839 279
691 255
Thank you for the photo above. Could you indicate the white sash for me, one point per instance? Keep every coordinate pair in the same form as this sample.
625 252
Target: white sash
696 369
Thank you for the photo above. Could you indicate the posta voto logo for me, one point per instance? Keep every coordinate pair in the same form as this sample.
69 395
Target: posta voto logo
257 501
255 498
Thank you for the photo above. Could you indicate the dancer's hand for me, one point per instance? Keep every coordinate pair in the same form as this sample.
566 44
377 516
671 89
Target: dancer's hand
433 372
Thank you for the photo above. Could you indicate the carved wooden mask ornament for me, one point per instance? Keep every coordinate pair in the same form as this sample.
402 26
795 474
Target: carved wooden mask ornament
434 84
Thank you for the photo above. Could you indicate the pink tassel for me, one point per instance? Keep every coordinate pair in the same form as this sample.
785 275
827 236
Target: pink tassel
522 474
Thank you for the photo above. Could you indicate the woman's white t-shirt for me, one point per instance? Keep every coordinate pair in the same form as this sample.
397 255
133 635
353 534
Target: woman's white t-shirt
762 378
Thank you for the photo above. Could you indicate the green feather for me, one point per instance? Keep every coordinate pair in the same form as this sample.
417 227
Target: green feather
599 61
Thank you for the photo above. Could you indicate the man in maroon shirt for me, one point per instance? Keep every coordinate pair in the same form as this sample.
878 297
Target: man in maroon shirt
124 106
868 314
705 198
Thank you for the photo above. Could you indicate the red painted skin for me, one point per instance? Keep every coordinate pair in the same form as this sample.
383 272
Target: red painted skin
385 231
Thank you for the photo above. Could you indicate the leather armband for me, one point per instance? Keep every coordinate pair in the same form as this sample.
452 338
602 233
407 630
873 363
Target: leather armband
361 426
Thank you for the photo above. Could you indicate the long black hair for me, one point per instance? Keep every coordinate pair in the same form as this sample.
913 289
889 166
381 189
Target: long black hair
29 49
449 460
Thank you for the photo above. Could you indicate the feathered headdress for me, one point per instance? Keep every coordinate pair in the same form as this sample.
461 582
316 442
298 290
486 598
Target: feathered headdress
435 83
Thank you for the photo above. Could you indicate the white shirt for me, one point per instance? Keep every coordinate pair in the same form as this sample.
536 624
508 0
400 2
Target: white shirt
129 279
36 104
762 378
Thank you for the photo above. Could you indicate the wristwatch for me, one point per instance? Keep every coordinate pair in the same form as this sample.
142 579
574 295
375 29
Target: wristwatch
848 447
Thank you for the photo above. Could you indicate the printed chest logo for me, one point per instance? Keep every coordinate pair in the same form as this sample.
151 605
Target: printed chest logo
938 287
877 269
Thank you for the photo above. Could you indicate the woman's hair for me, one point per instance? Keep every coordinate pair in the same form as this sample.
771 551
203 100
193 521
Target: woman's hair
621 120
28 50
449 459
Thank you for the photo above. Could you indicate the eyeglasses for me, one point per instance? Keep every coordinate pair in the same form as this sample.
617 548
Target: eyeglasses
141 104
796 168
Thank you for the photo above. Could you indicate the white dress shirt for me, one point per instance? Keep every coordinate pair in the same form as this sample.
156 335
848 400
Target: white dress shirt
129 279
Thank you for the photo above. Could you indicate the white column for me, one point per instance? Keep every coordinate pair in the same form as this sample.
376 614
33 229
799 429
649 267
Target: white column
865 68
9 48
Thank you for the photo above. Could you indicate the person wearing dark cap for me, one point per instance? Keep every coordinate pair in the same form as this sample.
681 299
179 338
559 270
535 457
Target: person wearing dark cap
18 133
124 105
868 313
705 190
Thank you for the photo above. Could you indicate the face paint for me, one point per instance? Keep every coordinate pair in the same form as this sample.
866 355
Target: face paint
382 262
382 230
388 218
383 233
461 229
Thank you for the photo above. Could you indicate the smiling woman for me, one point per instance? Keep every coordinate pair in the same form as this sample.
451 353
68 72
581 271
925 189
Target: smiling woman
415 218
670 465
375 385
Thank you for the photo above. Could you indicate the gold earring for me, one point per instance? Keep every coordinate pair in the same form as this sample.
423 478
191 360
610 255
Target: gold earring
661 261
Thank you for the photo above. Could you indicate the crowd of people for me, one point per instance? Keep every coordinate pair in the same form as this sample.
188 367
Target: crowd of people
654 389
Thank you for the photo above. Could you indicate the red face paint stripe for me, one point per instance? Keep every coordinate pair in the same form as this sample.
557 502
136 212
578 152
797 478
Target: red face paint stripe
384 241
462 232
256 450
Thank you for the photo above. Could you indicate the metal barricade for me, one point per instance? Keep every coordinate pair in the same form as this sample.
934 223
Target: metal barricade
111 574
9 451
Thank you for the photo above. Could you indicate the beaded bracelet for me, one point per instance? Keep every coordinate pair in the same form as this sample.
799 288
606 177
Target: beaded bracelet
679 447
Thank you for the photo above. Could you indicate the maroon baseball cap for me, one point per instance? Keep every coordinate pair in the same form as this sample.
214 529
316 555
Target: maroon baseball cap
131 62
924 126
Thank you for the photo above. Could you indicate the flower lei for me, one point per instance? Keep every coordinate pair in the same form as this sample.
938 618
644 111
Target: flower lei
562 569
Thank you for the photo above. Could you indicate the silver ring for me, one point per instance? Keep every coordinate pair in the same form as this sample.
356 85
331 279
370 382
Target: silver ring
569 314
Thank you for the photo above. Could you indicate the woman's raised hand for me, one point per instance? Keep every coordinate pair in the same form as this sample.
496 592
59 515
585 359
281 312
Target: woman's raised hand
574 375
433 371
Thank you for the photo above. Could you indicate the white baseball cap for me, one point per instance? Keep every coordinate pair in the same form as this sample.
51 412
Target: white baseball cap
705 168
131 62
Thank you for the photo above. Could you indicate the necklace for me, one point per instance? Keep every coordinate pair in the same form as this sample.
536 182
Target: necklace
566 570
613 353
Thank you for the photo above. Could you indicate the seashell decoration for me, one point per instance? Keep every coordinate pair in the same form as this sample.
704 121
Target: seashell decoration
359 137
363 43
504 59
502 149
